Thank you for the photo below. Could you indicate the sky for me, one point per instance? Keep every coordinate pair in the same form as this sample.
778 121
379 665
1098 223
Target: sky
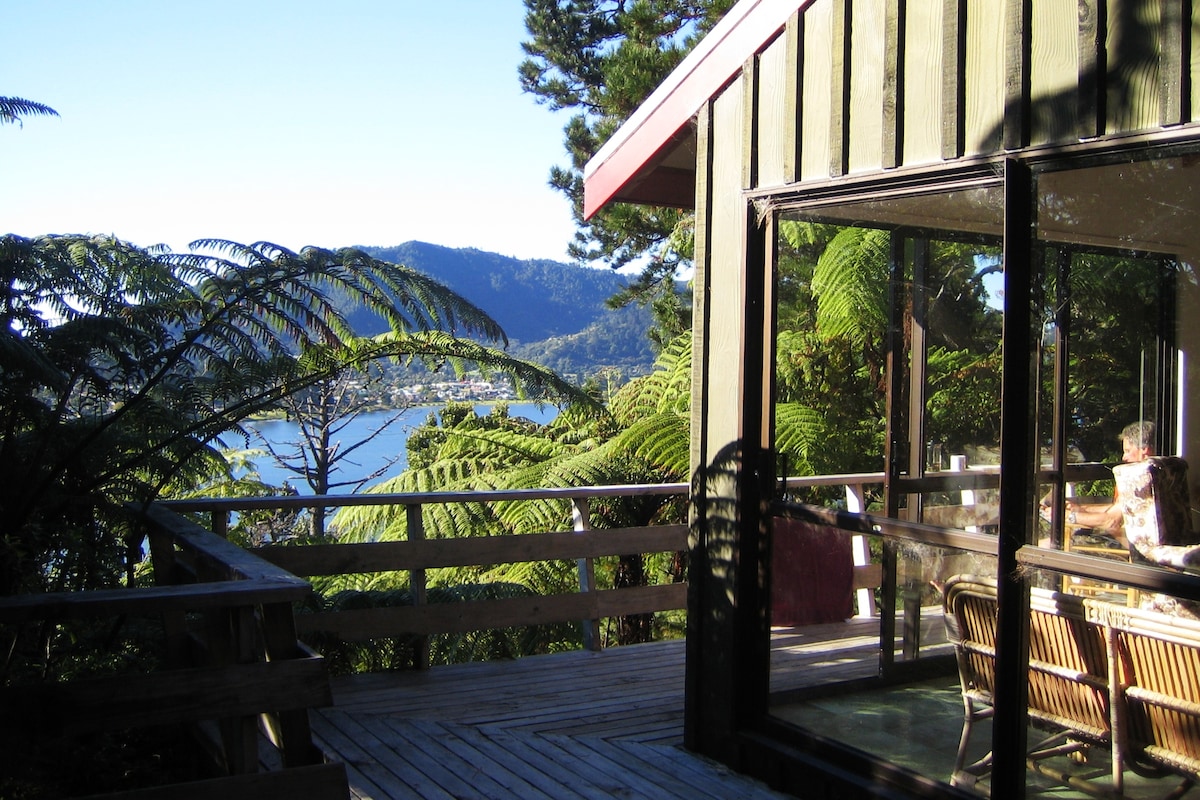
298 122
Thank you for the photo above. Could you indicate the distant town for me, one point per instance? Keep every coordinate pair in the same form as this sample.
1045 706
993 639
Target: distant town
446 391
400 391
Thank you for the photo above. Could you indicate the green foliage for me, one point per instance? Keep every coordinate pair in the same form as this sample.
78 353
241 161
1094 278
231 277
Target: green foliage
643 438
13 109
830 368
600 59
122 365
1116 309
962 392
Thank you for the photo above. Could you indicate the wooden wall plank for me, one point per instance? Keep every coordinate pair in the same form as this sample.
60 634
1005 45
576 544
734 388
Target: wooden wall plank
1132 79
840 31
864 119
920 106
793 144
711 719
775 124
984 77
1018 46
892 145
1054 71
1174 62
816 92
954 77
750 110
1192 13
1092 67
701 294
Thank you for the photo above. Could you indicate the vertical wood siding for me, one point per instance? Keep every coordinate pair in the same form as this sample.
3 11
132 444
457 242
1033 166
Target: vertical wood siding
984 44
866 79
855 86
720 327
923 82
776 118
1055 75
816 59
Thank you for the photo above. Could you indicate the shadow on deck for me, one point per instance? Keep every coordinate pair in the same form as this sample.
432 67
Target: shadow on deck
570 725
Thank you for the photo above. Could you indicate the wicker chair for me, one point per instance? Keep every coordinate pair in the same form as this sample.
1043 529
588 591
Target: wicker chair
1156 691
1099 674
1068 672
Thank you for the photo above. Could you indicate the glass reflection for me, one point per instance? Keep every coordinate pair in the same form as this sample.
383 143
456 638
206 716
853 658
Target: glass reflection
891 304
886 396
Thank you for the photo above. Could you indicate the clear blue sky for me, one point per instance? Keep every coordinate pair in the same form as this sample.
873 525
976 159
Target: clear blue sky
360 122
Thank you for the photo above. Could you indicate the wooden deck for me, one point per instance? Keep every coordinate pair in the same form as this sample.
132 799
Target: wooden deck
571 725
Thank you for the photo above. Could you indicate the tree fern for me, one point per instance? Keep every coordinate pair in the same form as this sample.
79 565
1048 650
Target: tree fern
662 440
12 109
666 388
122 364
850 283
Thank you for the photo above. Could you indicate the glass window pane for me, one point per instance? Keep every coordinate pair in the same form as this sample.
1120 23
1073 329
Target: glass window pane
886 304
1117 244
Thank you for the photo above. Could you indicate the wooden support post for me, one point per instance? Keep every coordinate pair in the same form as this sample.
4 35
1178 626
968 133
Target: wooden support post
856 504
290 730
415 527
220 523
582 521
162 554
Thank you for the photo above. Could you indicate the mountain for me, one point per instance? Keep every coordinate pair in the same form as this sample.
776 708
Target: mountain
553 313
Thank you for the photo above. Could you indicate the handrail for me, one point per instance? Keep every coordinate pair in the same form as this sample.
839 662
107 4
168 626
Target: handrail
232 657
419 498
416 555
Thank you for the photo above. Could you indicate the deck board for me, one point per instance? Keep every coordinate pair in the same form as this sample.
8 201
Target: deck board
569 726
572 726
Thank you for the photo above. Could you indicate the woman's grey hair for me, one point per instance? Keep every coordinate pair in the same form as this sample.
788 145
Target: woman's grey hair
1139 434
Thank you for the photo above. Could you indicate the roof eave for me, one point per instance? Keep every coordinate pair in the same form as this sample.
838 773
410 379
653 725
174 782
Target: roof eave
628 168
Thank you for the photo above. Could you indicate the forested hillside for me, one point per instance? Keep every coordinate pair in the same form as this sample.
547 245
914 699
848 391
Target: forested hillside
553 313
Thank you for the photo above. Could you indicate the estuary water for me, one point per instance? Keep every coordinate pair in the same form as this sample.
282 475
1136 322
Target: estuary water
374 454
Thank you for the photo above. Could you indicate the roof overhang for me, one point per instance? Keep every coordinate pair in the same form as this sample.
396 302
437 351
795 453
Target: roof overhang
651 159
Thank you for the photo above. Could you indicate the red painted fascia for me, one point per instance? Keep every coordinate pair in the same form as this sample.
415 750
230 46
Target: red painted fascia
663 116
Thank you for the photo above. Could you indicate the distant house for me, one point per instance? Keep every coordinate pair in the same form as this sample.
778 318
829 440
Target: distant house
1057 139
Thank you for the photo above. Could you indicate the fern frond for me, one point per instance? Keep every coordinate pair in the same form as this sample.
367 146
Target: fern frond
850 283
663 440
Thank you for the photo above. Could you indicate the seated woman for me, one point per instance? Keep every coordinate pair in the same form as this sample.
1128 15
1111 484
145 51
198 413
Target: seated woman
1157 522
1137 444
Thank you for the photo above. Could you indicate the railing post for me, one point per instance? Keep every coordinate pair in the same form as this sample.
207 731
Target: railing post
582 521
856 504
415 527
220 523
290 729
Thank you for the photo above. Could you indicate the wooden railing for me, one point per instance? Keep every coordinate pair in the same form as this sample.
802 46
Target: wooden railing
416 555
234 669
233 663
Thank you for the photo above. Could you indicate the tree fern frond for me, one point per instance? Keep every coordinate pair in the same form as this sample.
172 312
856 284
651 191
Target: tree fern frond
799 432
850 283
663 440
666 388
12 109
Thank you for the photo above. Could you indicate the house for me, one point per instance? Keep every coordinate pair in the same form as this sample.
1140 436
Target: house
1055 140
